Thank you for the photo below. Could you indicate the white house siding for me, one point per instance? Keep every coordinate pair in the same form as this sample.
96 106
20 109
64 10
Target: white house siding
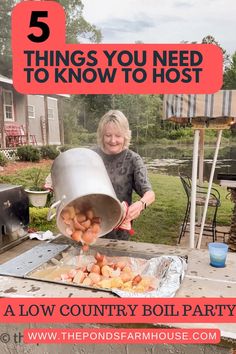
54 131
35 125
19 106
19 114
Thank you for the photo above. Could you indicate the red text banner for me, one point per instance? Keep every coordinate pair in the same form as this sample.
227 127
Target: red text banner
117 310
44 64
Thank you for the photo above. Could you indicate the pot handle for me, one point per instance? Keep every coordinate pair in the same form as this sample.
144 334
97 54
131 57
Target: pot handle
51 215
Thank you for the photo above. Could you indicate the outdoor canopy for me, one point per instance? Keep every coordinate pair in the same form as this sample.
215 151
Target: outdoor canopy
187 108
214 111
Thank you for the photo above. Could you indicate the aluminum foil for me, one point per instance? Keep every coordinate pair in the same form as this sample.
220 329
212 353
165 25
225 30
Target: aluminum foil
167 271
170 280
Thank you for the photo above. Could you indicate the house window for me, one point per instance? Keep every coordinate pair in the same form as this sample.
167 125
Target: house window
31 111
50 113
8 105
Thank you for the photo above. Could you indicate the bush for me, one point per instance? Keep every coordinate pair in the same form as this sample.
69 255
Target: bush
49 152
28 153
161 134
227 133
3 160
180 133
83 138
64 148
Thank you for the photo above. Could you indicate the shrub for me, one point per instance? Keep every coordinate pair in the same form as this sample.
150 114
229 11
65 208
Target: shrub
36 179
28 153
162 134
226 133
66 147
3 160
82 138
49 152
87 138
180 133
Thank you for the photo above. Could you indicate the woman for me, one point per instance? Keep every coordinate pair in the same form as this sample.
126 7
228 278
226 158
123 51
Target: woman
125 168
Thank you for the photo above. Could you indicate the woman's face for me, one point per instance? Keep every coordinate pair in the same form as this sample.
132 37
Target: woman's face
113 139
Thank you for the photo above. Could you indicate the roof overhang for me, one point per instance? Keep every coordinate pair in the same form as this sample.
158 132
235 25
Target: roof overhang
6 80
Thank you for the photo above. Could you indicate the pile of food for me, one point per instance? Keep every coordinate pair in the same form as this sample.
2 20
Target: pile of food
107 275
81 226
126 276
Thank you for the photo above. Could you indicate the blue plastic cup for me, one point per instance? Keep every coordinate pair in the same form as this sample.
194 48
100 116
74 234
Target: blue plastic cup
218 253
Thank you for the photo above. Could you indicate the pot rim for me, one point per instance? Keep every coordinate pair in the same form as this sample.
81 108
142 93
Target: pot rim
37 192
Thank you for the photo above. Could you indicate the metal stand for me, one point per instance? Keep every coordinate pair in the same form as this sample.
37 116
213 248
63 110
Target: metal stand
232 237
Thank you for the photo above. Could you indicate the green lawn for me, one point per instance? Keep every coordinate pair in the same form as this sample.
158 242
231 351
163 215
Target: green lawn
159 223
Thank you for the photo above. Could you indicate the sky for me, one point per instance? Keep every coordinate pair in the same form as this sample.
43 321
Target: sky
164 21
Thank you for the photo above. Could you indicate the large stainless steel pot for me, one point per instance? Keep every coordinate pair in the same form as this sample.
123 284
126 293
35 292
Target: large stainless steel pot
79 178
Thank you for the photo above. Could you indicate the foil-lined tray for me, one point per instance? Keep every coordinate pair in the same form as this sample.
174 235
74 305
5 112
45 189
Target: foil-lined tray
167 271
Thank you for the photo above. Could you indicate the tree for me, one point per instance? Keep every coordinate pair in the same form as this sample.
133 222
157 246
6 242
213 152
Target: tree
230 75
143 113
88 109
77 28
5 36
211 40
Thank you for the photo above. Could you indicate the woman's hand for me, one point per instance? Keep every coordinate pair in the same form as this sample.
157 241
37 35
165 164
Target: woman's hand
134 210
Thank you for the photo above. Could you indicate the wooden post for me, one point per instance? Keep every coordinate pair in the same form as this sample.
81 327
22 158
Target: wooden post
194 189
200 171
60 118
209 188
27 132
3 140
46 118
201 157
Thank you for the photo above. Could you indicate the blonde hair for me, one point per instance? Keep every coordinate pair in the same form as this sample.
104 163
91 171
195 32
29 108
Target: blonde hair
120 120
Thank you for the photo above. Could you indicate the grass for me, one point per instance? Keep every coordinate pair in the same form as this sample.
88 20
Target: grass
159 223
24 176
38 216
